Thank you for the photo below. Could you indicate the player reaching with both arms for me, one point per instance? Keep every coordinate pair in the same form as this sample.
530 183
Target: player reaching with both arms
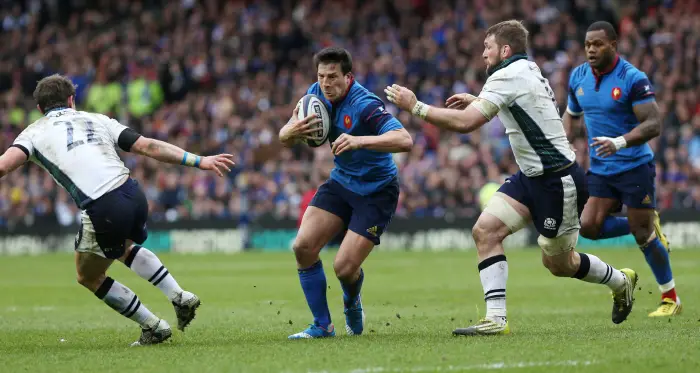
549 189
361 194
78 149
617 103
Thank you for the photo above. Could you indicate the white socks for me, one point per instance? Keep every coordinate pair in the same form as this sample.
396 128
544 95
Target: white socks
594 270
148 266
124 301
493 272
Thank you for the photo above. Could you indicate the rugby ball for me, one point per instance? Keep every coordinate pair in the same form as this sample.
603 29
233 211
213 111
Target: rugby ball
312 104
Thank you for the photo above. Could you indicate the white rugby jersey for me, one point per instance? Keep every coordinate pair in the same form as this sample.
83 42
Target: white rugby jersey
78 149
529 112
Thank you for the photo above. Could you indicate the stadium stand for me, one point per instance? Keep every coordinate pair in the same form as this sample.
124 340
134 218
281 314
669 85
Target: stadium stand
222 76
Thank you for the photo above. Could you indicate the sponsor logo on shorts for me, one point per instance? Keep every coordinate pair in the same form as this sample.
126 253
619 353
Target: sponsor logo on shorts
550 224
646 200
372 231
579 92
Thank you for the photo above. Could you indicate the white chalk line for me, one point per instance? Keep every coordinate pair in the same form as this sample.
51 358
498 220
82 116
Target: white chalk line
464 368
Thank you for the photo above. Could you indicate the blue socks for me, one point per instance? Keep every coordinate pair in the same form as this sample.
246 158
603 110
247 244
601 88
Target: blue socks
614 226
313 282
352 291
657 257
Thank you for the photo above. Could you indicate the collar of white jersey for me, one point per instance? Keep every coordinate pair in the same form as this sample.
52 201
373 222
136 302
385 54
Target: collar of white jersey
506 62
57 110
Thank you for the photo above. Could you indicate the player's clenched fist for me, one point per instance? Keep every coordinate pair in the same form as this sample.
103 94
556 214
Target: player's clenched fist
217 163
460 101
402 97
345 143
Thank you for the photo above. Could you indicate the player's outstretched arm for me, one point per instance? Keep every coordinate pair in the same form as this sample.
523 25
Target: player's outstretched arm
169 153
478 113
11 160
394 141
649 118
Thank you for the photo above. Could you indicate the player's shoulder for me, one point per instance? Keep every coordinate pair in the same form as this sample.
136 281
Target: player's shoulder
512 71
360 97
36 126
314 89
90 114
98 117
580 72
628 72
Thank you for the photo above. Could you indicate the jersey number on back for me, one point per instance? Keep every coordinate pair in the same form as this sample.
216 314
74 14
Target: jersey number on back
550 93
89 129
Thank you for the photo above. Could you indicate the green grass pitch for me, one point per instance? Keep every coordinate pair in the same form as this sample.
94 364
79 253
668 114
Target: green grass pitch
252 301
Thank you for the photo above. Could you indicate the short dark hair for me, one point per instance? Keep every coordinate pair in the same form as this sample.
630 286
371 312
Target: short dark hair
335 55
606 27
511 33
53 92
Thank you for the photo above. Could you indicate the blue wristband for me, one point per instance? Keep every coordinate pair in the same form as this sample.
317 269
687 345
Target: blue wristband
184 159
196 161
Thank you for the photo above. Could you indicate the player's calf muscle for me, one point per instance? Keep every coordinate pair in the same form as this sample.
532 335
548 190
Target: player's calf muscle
562 265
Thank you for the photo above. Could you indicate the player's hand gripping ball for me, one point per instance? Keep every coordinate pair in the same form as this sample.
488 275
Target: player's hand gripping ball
314 122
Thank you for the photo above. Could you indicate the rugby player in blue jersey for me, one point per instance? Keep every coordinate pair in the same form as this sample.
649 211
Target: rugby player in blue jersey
361 194
617 103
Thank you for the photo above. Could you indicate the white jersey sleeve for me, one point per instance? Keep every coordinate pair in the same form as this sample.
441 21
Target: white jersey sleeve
25 140
500 90
114 128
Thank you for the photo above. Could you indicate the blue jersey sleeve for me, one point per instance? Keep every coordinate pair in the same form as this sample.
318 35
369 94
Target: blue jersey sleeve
313 89
379 120
640 89
573 106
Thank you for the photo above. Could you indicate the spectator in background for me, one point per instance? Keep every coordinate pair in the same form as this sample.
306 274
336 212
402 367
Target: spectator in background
223 76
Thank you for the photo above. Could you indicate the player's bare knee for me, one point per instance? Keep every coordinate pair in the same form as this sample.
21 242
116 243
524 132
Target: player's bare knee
558 254
485 236
345 269
305 253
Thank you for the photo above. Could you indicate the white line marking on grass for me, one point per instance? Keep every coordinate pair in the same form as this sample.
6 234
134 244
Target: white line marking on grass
464 368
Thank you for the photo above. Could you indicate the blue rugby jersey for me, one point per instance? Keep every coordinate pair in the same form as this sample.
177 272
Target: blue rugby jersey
360 113
606 102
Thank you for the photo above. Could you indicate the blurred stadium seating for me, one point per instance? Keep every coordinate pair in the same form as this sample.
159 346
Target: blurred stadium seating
222 76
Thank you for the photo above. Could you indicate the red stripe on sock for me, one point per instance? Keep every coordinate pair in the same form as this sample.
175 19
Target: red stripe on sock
670 294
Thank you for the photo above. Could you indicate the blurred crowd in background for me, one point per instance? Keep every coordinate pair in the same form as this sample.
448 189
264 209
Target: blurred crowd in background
223 76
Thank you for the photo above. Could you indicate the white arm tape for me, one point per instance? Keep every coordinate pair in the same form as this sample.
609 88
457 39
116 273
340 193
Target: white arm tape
420 110
485 107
